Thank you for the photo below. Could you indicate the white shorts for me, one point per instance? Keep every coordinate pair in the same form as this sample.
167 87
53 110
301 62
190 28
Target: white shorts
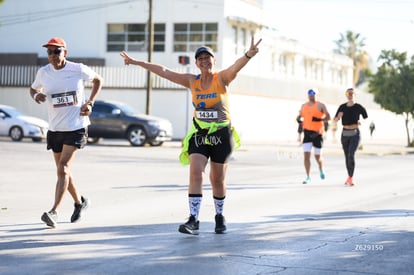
307 147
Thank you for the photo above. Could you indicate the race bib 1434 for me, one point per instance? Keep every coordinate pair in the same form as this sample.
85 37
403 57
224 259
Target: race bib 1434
207 114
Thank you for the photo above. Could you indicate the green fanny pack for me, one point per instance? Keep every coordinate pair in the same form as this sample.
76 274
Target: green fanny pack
210 128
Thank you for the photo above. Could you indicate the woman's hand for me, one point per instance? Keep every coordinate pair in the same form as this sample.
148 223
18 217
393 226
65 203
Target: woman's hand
339 116
127 59
253 48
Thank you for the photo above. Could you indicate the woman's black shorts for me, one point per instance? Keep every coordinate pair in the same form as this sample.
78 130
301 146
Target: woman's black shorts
216 146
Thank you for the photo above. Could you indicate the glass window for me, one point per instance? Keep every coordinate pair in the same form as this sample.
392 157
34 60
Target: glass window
159 27
136 27
212 27
98 108
197 27
133 37
190 36
115 47
116 37
136 37
241 42
180 47
180 38
210 36
196 37
115 28
234 36
180 27
159 48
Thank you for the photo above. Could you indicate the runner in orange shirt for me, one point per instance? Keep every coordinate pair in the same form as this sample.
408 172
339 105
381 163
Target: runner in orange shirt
313 113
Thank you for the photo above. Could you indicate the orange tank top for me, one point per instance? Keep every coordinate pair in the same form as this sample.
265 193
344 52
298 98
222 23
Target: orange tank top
308 112
212 104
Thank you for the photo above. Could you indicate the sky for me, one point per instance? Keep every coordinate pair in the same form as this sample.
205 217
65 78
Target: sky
385 24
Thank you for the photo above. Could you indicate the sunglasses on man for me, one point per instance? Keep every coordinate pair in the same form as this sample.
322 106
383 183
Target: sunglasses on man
55 51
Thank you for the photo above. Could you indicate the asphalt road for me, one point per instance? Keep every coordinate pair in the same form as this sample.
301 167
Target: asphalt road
276 225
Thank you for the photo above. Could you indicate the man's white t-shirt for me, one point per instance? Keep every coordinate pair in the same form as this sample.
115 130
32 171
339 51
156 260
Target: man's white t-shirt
64 90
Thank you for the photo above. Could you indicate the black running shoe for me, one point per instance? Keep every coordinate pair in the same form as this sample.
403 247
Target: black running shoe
50 218
190 227
78 209
220 224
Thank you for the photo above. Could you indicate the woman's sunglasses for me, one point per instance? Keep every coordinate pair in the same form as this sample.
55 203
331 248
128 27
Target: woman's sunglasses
349 93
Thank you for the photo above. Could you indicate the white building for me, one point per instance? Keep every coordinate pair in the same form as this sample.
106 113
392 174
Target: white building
273 84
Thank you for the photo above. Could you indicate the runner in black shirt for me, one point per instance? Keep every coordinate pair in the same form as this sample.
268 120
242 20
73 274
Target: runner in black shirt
349 113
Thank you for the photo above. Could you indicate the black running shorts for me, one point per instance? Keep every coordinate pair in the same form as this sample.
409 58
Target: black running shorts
216 146
314 137
56 140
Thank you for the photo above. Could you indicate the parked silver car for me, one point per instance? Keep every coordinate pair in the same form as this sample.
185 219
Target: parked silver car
17 126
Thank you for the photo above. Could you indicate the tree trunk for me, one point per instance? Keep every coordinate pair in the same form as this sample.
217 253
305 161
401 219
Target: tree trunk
406 128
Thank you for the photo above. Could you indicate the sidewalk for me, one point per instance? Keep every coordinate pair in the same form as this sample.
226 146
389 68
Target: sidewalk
374 147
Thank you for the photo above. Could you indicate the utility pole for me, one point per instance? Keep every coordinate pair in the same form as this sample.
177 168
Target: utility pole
185 61
150 48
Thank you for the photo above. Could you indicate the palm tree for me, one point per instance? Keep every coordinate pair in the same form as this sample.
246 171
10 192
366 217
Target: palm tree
351 44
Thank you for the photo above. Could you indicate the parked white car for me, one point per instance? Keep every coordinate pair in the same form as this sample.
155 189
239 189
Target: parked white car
17 126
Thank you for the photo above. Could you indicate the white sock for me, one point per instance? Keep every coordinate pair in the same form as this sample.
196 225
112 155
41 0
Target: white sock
195 203
219 204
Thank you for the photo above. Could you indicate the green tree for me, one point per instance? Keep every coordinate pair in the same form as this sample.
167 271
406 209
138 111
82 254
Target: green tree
392 85
352 45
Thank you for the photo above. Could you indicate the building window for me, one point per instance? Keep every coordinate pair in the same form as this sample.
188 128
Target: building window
283 63
274 62
313 69
190 36
241 41
234 35
133 37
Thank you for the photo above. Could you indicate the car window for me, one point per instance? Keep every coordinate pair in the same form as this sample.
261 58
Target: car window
11 112
127 109
102 109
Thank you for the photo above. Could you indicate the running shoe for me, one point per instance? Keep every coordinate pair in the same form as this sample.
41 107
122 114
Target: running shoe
190 227
50 218
220 224
322 174
349 182
307 180
78 209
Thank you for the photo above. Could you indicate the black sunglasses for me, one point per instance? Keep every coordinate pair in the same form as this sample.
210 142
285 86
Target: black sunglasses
55 51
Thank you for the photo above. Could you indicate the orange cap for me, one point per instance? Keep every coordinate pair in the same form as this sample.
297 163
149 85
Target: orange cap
56 41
